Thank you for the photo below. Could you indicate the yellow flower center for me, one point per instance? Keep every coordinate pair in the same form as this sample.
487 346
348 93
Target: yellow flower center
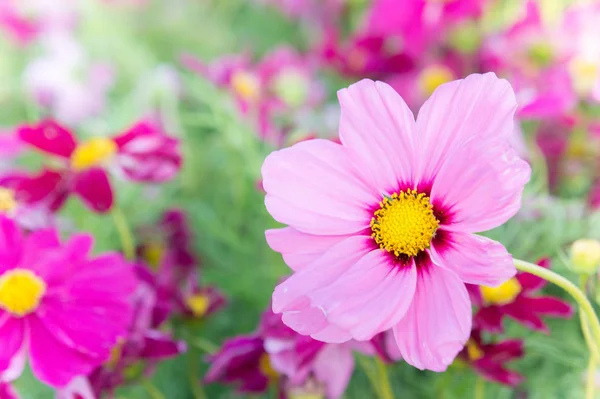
265 367
246 85
541 54
93 152
21 291
503 294
198 304
292 87
7 200
404 224
116 353
434 76
153 254
584 74
474 351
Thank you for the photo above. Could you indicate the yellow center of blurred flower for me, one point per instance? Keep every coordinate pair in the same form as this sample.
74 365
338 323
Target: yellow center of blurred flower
198 304
404 224
541 54
7 200
93 152
584 75
21 291
153 254
246 85
292 87
585 256
503 294
265 367
116 353
474 351
433 76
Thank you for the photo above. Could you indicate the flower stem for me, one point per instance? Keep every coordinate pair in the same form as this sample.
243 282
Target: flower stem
152 390
590 386
127 242
588 316
371 375
480 388
384 380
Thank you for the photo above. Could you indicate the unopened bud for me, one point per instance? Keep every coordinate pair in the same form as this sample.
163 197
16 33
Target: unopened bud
585 256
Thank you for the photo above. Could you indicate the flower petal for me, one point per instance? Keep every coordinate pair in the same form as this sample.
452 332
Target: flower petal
523 315
11 244
475 259
299 249
438 323
480 186
370 297
547 306
49 187
50 137
315 187
530 282
334 367
489 319
94 189
52 362
12 354
378 128
477 107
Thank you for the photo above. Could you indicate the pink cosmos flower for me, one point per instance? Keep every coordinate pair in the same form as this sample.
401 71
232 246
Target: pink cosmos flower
143 153
387 217
514 299
22 30
44 286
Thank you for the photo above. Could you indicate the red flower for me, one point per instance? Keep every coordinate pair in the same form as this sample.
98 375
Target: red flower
143 153
516 299
489 359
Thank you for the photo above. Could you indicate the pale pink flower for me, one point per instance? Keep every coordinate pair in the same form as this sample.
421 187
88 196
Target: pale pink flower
381 227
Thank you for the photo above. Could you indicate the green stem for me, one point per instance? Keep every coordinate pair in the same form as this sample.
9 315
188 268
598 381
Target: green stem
576 293
371 375
197 390
127 242
384 380
480 388
590 386
153 391
204 345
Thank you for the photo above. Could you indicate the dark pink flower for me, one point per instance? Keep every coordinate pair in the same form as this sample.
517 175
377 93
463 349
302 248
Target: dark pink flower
517 299
143 153
489 359
7 391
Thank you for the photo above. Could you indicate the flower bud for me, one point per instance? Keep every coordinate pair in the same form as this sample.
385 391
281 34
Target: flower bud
585 256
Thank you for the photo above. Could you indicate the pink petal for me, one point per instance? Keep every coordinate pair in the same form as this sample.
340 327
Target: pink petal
94 189
378 128
334 367
547 306
11 244
315 187
438 322
480 186
489 319
12 331
50 137
37 244
299 249
516 311
533 283
49 187
51 361
78 388
7 391
158 345
475 259
370 297
478 107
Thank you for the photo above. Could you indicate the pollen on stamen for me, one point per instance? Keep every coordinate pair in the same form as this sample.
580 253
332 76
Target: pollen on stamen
405 223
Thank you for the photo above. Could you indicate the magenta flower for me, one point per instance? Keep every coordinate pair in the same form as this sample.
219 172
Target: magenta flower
489 359
387 217
7 391
15 25
143 153
516 299
44 286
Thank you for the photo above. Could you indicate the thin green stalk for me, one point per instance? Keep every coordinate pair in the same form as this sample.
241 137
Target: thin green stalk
371 375
480 388
590 386
153 391
576 293
127 242
197 390
384 380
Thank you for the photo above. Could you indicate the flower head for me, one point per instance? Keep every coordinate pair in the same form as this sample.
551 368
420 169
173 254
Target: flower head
387 217
489 359
143 153
44 286
516 299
